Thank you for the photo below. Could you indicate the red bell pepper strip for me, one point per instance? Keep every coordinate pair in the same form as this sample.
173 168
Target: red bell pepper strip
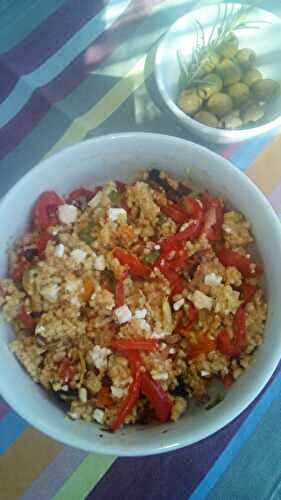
66 370
43 239
234 347
18 270
191 232
136 267
26 319
192 316
135 344
158 398
176 281
246 267
129 402
44 212
77 194
175 212
248 292
119 292
194 207
228 380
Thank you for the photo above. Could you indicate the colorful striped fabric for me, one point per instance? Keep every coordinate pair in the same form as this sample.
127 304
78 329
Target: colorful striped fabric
72 70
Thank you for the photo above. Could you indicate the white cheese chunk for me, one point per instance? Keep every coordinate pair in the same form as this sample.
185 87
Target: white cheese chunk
115 213
67 214
98 416
78 255
50 293
99 356
73 285
95 201
178 304
117 392
123 314
140 313
59 250
202 301
100 263
212 279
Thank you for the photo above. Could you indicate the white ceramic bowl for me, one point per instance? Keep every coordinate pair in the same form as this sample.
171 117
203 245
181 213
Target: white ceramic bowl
121 157
265 41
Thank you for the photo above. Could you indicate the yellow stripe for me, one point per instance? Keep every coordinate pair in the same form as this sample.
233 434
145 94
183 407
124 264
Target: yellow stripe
24 461
265 171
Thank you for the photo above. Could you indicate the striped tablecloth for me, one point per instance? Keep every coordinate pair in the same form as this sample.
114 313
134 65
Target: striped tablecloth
73 69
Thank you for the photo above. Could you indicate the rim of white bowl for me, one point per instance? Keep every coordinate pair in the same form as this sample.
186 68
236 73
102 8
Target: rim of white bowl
200 128
222 420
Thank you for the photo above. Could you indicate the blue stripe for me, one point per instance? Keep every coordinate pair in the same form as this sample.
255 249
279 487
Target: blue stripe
17 23
11 427
247 153
233 448
51 68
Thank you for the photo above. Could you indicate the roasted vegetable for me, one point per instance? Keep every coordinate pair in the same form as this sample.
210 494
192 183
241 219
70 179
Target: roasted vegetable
265 90
213 84
219 104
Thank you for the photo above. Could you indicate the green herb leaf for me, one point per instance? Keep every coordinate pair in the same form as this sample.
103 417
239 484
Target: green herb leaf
215 402
151 257
115 197
85 233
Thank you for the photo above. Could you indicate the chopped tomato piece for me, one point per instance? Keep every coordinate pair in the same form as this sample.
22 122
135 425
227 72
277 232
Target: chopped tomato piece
203 345
78 194
104 398
135 344
44 212
176 281
66 370
158 398
246 267
248 292
136 267
26 319
175 212
228 380
213 219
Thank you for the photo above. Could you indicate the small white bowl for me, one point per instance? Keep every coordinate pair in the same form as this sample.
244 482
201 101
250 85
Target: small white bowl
121 157
265 41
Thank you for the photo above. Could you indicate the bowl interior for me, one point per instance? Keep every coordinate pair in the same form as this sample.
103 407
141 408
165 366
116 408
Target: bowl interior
181 37
121 157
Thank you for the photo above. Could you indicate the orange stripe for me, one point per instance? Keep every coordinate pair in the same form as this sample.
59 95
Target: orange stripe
265 171
24 461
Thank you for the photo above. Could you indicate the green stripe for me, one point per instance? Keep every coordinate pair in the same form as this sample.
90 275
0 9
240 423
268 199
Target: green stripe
85 478
16 23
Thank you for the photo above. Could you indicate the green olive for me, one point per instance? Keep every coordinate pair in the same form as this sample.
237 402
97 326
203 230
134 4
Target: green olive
245 57
239 93
265 90
232 120
206 118
209 62
229 71
229 47
219 104
213 84
190 102
252 113
251 76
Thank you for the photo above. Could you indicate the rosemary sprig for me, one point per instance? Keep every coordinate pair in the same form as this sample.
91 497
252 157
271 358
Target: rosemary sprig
228 20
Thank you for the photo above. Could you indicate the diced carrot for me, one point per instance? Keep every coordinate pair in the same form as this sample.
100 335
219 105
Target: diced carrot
89 288
104 397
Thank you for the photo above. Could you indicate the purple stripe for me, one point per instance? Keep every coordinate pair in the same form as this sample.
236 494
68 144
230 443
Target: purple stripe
43 98
47 484
4 408
148 477
275 199
44 41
